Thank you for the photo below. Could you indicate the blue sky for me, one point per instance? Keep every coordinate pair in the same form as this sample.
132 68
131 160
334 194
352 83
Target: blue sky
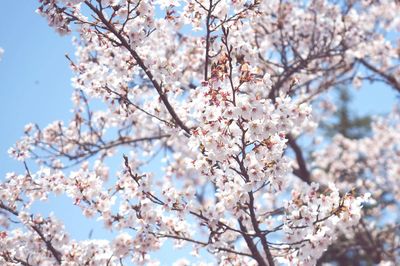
35 87
34 74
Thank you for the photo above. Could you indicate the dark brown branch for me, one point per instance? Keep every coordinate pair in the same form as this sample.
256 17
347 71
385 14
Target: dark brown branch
302 171
260 235
229 54
209 11
56 254
24 263
389 79
253 249
251 205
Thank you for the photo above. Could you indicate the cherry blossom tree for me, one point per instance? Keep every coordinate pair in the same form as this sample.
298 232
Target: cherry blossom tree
230 95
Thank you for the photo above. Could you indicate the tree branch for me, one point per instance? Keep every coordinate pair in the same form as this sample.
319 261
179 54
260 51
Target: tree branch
302 171
391 80
209 11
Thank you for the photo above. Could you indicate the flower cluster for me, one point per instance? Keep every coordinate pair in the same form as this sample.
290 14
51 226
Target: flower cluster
237 131
312 220
21 149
